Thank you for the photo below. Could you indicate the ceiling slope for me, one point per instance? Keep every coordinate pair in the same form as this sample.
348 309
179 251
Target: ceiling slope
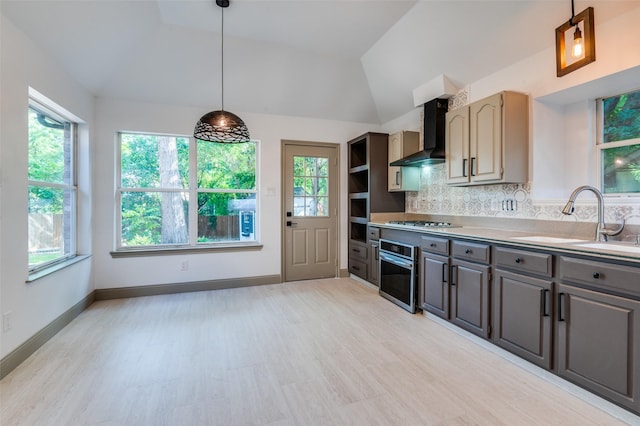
351 60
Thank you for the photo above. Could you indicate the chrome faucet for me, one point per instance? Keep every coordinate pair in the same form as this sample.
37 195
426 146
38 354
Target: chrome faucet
601 230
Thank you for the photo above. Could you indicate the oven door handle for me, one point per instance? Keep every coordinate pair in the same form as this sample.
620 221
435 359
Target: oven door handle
394 260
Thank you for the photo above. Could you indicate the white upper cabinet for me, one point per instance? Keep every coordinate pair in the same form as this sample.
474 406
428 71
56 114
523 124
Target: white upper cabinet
402 144
488 141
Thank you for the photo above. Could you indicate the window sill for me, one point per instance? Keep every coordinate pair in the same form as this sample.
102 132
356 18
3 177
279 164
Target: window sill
33 276
169 251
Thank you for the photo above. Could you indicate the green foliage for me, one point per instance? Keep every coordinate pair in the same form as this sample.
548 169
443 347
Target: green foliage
46 163
622 117
227 167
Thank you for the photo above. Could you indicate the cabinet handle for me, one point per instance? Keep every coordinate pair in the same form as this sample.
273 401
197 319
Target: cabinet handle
464 167
355 250
560 306
356 268
454 275
596 275
473 163
398 178
376 253
518 260
445 274
467 251
544 294
432 245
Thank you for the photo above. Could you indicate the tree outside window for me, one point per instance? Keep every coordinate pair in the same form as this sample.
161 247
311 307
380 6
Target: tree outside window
620 146
52 188
162 182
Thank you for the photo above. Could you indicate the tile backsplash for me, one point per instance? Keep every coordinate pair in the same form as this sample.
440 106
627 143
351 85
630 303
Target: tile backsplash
435 197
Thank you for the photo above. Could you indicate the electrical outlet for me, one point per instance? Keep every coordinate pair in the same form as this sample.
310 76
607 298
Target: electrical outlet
7 321
509 205
184 265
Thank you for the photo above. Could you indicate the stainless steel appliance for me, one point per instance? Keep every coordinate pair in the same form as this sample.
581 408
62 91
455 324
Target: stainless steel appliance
398 266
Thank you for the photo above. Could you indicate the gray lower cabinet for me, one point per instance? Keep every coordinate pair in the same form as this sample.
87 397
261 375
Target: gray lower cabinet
522 321
434 276
599 343
522 296
435 284
374 254
358 258
469 303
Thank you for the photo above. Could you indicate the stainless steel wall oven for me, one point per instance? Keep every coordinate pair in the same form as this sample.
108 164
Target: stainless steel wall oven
398 273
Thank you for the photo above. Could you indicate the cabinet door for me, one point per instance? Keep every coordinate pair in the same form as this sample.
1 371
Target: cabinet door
373 263
485 139
395 153
599 343
402 144
457 145
435 285
470 297
522 316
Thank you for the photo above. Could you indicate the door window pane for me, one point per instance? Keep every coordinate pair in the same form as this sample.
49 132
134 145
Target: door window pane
310 186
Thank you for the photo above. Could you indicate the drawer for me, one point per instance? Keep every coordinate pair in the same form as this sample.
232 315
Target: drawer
358 268
373 233
435 245
601 274
524 261
470 251
358 251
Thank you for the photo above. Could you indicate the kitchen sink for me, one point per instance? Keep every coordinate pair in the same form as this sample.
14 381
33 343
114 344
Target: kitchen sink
628 248
545 239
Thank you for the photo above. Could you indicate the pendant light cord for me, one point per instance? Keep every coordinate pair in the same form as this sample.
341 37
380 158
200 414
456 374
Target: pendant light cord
573 14
222 58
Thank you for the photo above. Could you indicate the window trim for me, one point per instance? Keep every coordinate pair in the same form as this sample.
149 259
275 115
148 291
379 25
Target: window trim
192 246
45 106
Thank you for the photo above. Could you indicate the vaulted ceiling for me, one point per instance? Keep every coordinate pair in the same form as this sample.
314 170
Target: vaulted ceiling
352 60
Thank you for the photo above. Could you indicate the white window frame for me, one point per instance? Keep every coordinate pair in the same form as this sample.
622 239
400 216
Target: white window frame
601 146
44 106
193 192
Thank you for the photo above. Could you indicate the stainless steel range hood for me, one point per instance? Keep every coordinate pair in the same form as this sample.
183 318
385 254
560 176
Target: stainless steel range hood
433 136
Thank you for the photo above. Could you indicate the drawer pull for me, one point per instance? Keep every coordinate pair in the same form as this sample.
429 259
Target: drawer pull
596 275
467 251
518 260
432 245
355 250
356 268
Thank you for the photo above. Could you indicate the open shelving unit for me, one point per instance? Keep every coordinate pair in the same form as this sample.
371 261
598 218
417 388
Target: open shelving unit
367 187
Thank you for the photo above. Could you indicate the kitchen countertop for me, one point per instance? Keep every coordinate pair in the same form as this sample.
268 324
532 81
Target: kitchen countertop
623 251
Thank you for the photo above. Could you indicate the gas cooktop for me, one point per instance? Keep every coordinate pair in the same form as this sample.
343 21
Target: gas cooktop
422 224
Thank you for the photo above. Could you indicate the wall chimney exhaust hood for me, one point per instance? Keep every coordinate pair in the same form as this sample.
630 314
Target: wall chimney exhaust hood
433 136
439 87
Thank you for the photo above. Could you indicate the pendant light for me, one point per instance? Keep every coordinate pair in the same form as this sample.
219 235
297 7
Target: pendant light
577 50
221 126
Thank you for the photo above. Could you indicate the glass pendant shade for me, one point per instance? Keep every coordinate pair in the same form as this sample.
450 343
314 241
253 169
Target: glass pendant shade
221 126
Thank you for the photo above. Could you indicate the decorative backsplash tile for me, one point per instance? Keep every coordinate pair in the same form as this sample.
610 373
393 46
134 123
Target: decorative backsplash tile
459 99
437 198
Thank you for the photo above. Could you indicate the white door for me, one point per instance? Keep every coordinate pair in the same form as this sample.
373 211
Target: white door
310 210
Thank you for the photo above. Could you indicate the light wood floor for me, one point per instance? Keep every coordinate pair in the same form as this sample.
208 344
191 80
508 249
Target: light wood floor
315 352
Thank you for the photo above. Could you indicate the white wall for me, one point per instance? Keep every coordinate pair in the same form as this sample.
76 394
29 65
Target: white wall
36 304
269 130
